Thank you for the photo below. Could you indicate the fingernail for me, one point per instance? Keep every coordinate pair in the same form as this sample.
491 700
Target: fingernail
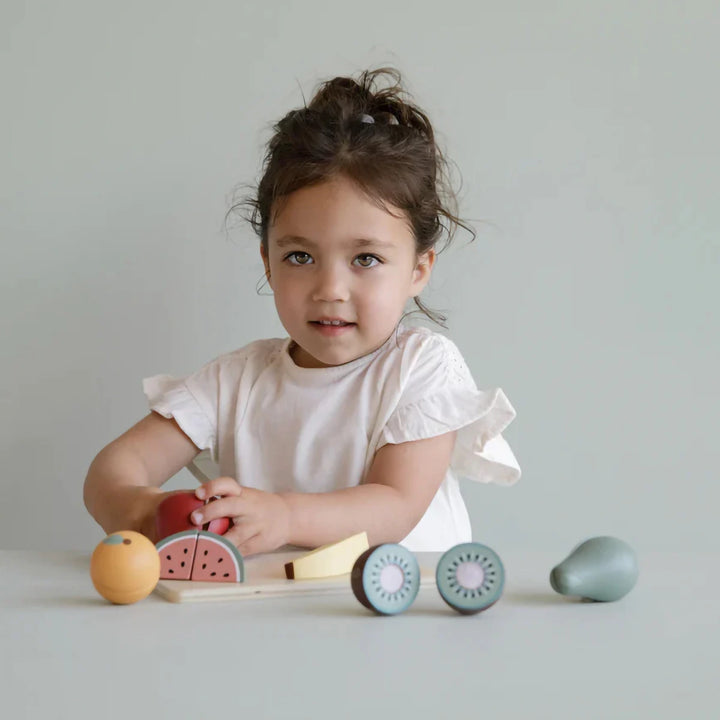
200 493
196 517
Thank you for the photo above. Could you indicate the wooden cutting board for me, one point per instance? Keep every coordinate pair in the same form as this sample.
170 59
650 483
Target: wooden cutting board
265 577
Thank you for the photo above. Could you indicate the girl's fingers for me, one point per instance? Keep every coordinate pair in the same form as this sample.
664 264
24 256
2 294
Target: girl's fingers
228 507
223 486
240 535
252 546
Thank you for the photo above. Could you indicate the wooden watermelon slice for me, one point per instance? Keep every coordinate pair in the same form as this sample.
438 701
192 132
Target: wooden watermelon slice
217 560
177 553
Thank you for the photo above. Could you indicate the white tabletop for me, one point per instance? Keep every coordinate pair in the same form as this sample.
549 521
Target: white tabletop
67 653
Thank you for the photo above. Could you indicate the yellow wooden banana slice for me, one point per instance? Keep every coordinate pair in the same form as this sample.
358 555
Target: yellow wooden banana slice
333 559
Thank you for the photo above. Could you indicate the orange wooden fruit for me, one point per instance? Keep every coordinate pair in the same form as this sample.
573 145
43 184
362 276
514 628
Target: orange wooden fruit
125 567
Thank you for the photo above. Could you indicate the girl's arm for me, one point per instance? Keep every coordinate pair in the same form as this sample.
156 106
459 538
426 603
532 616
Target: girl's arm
398 489
122 488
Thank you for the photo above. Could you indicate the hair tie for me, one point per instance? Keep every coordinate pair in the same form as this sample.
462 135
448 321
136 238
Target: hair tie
387 118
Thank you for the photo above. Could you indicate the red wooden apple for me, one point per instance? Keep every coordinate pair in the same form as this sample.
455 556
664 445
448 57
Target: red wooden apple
173 516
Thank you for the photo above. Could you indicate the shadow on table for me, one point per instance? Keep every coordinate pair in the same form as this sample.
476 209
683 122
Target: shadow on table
428 606
431 607
85 601
533 597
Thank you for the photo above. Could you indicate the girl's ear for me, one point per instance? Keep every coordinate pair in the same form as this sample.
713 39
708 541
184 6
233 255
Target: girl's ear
422 271
266 263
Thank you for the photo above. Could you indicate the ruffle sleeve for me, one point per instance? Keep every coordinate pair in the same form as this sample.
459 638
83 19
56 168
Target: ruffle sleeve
440 397
172 398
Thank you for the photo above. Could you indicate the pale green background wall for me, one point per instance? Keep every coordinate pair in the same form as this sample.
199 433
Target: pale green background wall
587 138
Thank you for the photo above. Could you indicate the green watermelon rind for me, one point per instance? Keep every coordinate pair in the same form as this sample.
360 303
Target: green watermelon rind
234 552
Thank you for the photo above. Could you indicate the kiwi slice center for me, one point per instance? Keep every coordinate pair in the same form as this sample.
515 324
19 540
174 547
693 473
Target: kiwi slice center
470 575
392 578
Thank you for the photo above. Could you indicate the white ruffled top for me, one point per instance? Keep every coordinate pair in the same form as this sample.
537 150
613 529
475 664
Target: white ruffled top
279 427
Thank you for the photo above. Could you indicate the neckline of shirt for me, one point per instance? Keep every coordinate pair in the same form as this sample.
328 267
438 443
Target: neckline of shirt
321 376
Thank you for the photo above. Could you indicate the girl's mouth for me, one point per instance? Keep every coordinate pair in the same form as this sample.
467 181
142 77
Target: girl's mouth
328 329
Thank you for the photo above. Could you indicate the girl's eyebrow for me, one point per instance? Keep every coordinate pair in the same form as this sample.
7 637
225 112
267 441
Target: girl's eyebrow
286 240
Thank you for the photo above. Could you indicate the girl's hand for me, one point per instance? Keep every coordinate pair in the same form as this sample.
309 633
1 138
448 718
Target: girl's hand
261 520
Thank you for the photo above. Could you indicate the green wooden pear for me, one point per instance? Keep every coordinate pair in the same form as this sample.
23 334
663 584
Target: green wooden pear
601 568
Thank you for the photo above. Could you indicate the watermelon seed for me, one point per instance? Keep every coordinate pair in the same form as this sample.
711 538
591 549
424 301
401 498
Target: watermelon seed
205 553
204 566
171 571
212 574
226 575
182 564
185 551
220 559
168 557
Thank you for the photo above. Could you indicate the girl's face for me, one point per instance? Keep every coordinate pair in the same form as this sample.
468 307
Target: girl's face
334 255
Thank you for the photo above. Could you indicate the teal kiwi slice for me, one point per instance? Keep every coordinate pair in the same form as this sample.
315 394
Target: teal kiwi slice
470 577
386 579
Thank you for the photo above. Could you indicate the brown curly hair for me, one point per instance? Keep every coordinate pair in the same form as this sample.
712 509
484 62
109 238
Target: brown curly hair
391 156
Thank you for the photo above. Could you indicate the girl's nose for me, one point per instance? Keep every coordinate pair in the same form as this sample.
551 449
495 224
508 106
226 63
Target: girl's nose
331 285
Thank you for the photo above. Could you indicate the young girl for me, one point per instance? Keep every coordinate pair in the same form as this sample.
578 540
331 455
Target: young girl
355 421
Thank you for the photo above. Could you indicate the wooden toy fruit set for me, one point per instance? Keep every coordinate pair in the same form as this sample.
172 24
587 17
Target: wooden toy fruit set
470 577
125 567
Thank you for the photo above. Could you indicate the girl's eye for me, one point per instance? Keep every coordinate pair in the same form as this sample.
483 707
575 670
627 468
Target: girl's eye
298 257
302 258
374 260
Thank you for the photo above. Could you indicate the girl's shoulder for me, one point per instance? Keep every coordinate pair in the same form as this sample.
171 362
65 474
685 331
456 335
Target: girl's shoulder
429 358
418 335
422 343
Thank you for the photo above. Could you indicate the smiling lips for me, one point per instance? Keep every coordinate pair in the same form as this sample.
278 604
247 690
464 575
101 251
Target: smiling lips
331 322
332 327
